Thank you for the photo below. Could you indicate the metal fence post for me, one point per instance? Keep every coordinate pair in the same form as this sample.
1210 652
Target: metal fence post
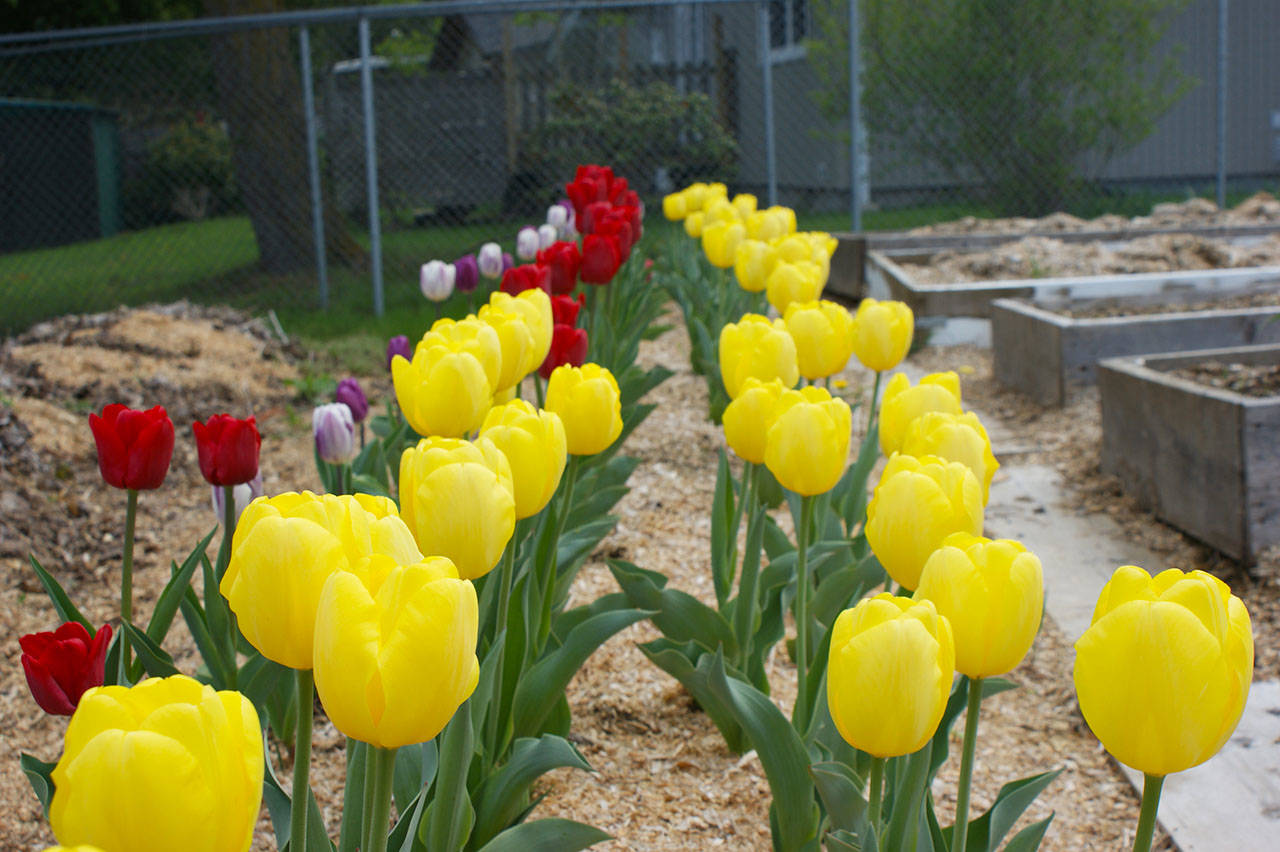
1222 103
766 63
313 165
371 166
855 118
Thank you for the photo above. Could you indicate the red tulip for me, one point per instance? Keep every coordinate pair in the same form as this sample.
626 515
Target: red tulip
228 449
564 309
134 447
563 259
568 346
60 666
517 279
618 225
592 215
591 183
619 192
601 257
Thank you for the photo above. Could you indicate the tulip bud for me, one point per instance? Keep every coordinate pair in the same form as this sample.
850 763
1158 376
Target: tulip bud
557 216
547 235
516 340
527 243
527 276
564 310
387 626
61 666
471 335
753 261
489 260
992 592
695 194
466 273
954 437
134 447
601 257
881 333
916 505
568 347
167 764
335 433
1164 669
674 206
720 243
589 404
717 211
756 347
398 345
903 403
889 646
798 281
436 280
693 224
745 204
748 417
534 443
821 331
563 259
243 494
807 445
350 394
228 449
458 499
444 390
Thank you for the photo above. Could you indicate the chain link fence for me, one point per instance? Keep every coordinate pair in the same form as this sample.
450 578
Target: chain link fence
229 159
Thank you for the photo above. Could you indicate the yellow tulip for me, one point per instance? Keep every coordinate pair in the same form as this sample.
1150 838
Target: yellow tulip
472 335
800 281
745 203
714 192
821 331
807 446
993 594
381 635
81 848
1164 669
754 347
794 247
903 403
693 224
589 404
675 206
167 764
916 505
694 194
786 218
719 210
458 500
748 417
516 341
954 437
284 549
535 306
753 261
534 443
889 674
720 243
442 391
882 333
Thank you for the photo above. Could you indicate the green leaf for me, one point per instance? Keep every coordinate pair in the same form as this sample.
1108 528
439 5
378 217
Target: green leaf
680 661
906 813
546 680
362 483
723 514
40 774
448 821
986 832
67 611
280 809
415 769
1028 840
504 795
171 597
546 835
154 659
841 793
844 841
679 615
194 616
839 588
404 834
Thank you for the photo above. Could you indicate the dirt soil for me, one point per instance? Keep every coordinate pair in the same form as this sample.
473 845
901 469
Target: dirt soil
1131 306
1254 380
662 778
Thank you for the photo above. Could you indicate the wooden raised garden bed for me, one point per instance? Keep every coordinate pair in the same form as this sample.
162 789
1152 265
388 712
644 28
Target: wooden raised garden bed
1206 459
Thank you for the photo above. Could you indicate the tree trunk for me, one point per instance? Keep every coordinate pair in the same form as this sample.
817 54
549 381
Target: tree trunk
260 91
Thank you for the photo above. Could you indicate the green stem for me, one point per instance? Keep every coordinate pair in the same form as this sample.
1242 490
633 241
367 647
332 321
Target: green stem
593 299
384 764
744 615
302 762
800 716
875 790
126 575
366 804
224 559
961 829
1151 787
562 517
537 389
875 398
504 602
743 507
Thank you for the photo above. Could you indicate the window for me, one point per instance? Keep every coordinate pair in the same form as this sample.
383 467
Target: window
788 27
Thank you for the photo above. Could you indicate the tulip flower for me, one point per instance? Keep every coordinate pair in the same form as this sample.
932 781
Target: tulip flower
1162 674
399 345
617 226
694 194
534 443
674 206
903 403
601 257
564 260
350 394
693 224
489 261
535 308
564 309
589 404
334 431
444 390
527 243
167 764
242 495
753 261
568 347
954 437
466 273
516 339
755 347
436 280
807 445
799 281
889 646
80 848
745 203
720 243
134 447
61 666
916 505
547 235
458 499
821 331
470 335
748 417
526 277
881 333
717 211
558 216
228 449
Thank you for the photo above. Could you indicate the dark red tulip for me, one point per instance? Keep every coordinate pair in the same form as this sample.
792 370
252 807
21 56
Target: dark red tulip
592 215
527 277
228 449
601 258
564 309
134 447
618 225
563 259
61 666
568 346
